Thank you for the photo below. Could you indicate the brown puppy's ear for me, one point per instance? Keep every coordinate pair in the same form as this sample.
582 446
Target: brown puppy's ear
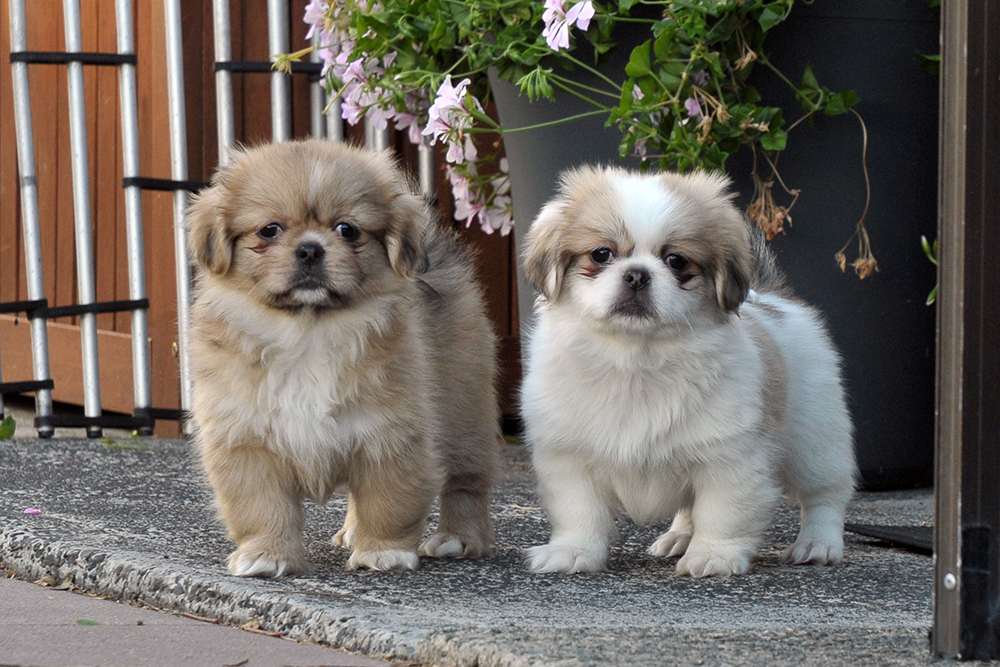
404 239
210 243
546 261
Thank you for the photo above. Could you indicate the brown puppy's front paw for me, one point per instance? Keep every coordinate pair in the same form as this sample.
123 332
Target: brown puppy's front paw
390 559
251 561
448 545
344 536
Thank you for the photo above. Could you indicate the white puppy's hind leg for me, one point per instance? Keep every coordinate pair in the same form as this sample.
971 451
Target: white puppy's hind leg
675 541
821 535
582 523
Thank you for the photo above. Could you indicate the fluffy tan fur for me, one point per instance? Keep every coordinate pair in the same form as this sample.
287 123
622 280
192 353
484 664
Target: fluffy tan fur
339 341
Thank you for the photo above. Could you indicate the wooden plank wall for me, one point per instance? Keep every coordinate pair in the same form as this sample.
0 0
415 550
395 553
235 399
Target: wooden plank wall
51 126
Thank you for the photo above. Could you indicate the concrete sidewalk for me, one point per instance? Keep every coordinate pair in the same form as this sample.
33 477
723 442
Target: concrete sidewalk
132 520
46 627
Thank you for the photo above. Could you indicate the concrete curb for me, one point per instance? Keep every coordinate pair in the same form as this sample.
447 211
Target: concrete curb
134 578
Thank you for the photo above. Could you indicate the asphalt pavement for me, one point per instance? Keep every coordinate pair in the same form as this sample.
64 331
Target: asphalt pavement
130 520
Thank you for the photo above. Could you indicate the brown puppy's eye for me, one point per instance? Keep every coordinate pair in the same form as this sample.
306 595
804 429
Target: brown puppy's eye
347 231
601 255
270 231
677 263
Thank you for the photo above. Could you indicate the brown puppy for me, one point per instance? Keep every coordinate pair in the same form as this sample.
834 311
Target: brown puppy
339 340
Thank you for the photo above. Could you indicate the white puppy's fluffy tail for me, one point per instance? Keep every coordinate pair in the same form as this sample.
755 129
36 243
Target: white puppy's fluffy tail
767 276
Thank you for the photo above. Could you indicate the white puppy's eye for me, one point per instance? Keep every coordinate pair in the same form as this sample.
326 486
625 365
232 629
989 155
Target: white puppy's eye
270 231
677 262
601 255
347 231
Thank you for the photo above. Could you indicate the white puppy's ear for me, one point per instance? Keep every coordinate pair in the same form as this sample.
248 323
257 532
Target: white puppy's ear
404 238
546 261
210 241
733 274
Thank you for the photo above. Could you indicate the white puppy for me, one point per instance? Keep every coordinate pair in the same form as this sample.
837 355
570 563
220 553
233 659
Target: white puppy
659 384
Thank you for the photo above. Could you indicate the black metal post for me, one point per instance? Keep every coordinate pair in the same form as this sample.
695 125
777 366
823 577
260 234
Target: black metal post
967 526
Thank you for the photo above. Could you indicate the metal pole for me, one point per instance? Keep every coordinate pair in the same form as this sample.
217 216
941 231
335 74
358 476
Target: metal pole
29 214
223 80
948 582
375 139
179 172
317 96
281 92
335 123
426 170
81 216
141 375
967 489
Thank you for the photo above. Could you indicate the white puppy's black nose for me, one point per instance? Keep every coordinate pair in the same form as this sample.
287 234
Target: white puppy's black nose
637 278
309 254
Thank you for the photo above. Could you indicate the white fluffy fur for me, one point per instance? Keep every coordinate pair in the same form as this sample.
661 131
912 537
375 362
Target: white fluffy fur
668 414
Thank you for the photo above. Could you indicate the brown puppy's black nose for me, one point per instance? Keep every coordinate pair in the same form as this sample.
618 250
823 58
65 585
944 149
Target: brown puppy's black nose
637 278
309 254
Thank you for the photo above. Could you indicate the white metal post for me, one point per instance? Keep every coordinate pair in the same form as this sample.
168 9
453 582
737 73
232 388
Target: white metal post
179 172
281 84
223 79
141 374
29 211
317 95
86 291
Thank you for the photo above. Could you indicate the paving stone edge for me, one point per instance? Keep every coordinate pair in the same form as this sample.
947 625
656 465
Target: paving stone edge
131 577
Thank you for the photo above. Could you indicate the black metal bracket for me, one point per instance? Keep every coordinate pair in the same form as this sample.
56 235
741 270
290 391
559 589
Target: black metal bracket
314 70
164 184
65 57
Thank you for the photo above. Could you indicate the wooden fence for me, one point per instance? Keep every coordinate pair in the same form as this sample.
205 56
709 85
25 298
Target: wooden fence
50 117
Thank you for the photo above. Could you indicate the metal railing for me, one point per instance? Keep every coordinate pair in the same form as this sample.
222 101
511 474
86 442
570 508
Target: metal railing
36 306
87 308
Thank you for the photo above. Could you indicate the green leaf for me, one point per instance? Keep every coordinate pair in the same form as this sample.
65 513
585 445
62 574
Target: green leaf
840 103
638 62
7 428
663 47
930 63
774 140
931 250
770 18
809 81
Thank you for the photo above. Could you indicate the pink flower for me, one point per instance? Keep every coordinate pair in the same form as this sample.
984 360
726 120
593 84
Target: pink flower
499 216
692 106
558 21
315 16
467 209
449 118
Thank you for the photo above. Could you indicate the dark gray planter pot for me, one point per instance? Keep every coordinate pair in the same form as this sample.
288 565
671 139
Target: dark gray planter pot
881 325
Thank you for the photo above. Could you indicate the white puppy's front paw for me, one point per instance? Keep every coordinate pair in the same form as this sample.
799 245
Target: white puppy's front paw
264 563
446 545
564 558
814 552
669 544
699 564
390 559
